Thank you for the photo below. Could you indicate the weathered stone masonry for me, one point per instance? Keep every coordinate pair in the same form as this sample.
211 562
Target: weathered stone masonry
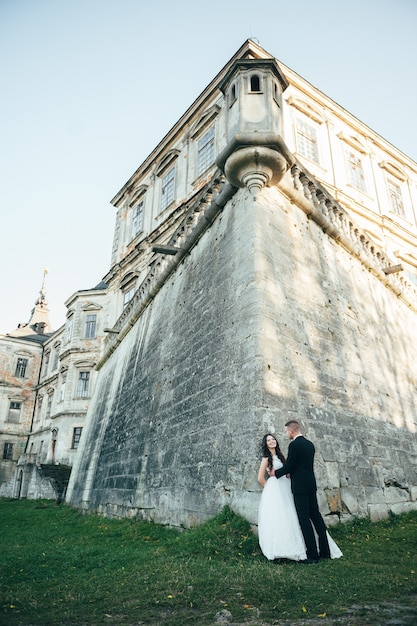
270 315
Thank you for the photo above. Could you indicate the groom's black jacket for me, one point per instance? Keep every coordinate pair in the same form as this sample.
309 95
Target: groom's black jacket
299 465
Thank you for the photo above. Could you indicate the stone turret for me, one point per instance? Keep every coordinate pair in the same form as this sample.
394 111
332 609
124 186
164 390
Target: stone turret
256 155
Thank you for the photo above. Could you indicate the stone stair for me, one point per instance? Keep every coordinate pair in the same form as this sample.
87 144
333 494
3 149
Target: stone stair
58 475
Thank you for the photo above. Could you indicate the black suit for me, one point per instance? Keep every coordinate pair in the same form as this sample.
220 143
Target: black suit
299 465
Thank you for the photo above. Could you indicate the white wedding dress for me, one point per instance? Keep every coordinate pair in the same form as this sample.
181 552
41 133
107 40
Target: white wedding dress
280 535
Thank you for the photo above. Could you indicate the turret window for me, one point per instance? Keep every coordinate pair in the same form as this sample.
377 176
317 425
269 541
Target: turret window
255 83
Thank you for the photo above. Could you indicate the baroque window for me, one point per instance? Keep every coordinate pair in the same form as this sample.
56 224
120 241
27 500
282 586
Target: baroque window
128 287
83 384
14 412
39 407
49 404
21 367
56 356
90 326
395 198
62 390
76 436
168 188
206 150
306 137
355 170
46 363
69 328
137 219
8 451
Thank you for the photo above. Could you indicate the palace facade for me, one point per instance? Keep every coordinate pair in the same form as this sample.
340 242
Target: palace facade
263 267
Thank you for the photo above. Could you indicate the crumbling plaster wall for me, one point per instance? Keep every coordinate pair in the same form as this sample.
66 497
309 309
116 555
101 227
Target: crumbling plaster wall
267 319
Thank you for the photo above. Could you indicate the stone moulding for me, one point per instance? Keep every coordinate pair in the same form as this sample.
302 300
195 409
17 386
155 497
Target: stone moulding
306 193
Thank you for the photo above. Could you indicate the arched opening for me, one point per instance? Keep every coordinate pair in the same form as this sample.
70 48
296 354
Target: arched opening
255 83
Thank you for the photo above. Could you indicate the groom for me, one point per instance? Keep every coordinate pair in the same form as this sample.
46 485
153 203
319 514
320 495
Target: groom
299 465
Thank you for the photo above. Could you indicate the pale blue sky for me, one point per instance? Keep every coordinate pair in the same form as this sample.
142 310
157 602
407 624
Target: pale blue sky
89 87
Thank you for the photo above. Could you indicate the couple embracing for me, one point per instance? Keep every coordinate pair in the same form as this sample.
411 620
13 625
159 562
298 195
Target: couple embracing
289 523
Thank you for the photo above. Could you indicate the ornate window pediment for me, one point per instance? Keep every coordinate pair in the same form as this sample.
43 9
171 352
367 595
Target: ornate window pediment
204 121
167 162
24 353
137 194
394 170
85 363
127 279
91 306
354 142
308 109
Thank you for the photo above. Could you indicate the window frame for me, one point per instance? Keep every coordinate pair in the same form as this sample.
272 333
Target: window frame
305 138
21 367
137 217
77 431
49 403
90 330
206 149
15 412
83 384
255 83
168 188
8 449
395 200
354 165
62 387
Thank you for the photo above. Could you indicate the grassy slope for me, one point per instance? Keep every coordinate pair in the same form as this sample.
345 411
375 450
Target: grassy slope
60 567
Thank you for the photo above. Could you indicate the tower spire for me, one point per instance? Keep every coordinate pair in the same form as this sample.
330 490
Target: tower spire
38 323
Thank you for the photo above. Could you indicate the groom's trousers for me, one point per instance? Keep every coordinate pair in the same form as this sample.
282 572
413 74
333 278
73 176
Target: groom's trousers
308 513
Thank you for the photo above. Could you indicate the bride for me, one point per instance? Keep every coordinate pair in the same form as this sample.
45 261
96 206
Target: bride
280 535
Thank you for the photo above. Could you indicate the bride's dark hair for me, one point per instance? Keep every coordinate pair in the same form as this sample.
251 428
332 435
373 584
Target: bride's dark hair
266 452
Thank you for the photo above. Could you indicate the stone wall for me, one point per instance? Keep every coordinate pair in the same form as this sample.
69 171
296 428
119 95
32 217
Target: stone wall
266 319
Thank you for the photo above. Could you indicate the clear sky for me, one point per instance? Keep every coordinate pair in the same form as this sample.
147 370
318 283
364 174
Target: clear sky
89 87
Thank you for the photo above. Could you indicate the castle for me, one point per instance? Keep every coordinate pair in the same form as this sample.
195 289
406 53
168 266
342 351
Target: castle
263 268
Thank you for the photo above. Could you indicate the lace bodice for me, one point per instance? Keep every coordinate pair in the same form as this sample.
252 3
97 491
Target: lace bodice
276 463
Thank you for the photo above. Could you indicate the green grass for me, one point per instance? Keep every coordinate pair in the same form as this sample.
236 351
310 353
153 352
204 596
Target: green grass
59 567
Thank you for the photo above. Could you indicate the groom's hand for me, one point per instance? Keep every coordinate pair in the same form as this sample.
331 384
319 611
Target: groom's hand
271 472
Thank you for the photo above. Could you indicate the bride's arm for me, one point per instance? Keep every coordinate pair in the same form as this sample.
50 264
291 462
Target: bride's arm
262 471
